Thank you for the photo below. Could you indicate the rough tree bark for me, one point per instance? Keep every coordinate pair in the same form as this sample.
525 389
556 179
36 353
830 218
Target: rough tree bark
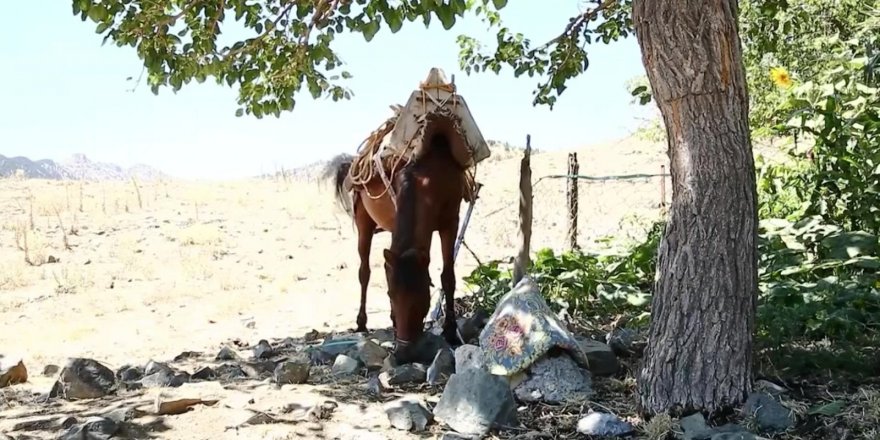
699 355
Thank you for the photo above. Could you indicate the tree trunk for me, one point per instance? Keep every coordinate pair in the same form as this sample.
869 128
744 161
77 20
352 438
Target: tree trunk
699 355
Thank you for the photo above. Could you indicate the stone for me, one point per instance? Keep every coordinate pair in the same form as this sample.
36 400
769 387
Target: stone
154 367
406 373
522 329
164 378
603 424
470 327
93 428
468 356
602 360
555 380
230 371
423 350
263 350
769 414
371 354
292 371
741 435
204 373
84 378
51 370
475 401
442 367
408 413
187 355
129 373
694 427
621 340
227 354
344 365
260 369
12 371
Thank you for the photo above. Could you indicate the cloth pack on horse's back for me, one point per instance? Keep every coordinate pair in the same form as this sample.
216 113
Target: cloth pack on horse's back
435 107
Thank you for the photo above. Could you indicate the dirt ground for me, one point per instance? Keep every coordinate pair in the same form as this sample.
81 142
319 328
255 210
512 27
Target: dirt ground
149 270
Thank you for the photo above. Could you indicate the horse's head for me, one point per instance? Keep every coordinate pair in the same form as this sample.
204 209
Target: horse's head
409 288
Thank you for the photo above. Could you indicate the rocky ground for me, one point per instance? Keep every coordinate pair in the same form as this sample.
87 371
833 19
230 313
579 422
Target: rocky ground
212 310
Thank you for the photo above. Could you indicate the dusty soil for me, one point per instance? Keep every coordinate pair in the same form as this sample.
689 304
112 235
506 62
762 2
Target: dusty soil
151 270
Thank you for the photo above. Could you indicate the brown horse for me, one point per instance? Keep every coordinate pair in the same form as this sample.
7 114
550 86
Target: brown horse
429 194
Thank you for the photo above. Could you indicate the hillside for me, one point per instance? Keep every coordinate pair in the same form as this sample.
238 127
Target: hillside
77 167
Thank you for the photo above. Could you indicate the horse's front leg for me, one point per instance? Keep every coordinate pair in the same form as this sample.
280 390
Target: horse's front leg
447 282
365 228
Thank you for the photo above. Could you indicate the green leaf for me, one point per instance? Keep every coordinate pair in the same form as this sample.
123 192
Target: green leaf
639 90
446 15
394 19
98 13
370 29
829 409
499 3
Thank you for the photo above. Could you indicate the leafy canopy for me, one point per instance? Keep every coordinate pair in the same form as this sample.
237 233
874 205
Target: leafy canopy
290 44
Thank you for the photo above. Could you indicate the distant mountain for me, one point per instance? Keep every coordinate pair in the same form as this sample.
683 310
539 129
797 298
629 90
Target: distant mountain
78 167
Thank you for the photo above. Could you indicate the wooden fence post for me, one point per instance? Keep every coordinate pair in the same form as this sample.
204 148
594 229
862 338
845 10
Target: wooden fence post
521 263
572 193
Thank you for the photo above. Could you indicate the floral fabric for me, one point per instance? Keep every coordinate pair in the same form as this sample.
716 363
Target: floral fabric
522 329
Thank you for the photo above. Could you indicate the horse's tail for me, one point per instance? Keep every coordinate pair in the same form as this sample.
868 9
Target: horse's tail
337 170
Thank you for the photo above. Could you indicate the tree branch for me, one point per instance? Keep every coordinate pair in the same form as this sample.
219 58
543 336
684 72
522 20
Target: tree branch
577 24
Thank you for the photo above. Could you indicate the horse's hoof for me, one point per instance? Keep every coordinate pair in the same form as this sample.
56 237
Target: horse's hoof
361 329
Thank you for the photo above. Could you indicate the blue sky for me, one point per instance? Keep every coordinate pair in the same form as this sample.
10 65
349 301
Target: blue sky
62 93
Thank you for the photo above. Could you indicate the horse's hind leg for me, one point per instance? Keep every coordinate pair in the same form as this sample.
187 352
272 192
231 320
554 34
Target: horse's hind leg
365 228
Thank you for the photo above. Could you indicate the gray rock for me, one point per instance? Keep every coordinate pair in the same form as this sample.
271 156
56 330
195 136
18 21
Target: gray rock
475 401
154 367
423 350
128 373
230 371
471 327
406 373
456 436
408 414
344 365
263 350
742 435
621 341
468 356
371 354
695 428
603 424
769 414
51 370
204 373
293 371
94 428
84 378
555 380
442 367
603 361
227 354
259 369
164 378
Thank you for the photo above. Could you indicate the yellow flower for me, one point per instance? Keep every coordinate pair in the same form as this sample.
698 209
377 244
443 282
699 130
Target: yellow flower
780 77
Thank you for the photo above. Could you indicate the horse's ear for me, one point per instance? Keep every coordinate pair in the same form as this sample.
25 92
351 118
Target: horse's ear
390 257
